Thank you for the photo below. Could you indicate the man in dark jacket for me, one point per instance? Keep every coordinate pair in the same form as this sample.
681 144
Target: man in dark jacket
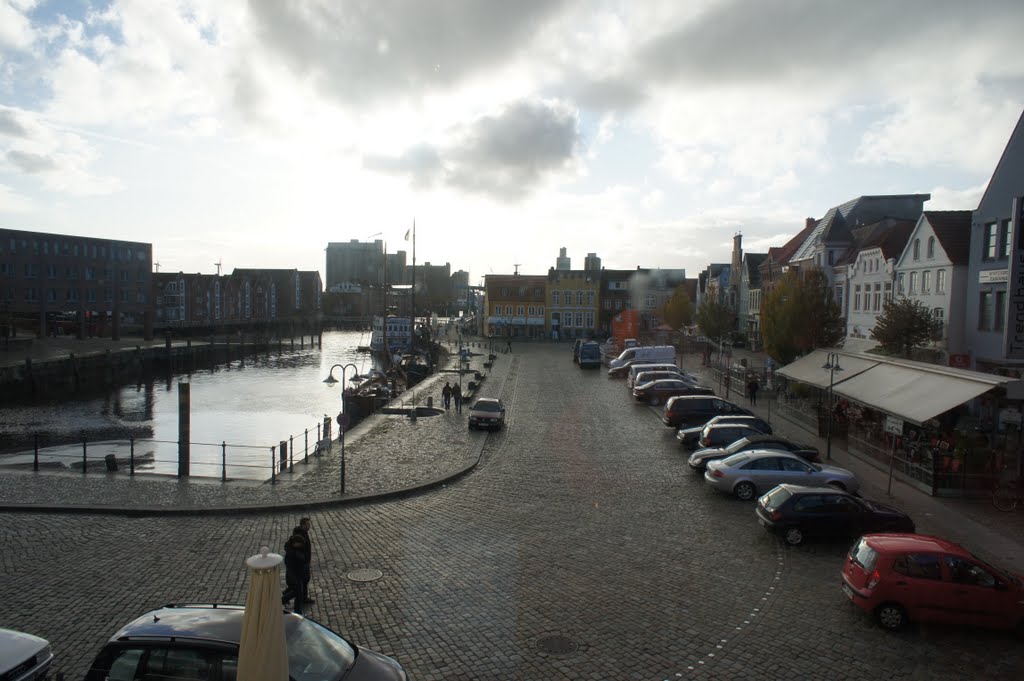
295 570
302 529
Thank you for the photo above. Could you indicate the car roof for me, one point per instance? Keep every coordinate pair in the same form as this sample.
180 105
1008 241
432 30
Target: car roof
723 426
771 452
488 399
914 542
808 489
212 622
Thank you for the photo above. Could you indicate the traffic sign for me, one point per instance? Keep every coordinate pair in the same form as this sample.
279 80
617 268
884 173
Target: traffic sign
344 419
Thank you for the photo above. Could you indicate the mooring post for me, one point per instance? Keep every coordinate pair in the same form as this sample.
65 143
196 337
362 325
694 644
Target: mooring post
184 428
35 447
273 465
291 453
305 457
284 455
131 456
318 439
223 461
84 466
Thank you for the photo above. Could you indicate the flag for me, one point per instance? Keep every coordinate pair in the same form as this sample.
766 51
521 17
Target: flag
407 233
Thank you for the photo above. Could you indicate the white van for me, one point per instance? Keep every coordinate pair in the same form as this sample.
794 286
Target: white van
638 368
649 354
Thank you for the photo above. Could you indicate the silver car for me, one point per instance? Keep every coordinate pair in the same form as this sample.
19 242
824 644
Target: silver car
752 473
23 657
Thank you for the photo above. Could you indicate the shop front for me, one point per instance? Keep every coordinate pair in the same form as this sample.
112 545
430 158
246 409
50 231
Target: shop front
946 431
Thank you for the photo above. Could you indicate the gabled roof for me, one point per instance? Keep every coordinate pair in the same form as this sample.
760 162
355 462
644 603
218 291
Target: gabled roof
953 230
889 234
784 253
1010 153
752 262
837 225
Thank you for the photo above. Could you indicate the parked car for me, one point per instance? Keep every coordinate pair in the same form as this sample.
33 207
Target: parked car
656 392
911 577
722 435
589 355
648 376
487 412
754 472
23 657
797 513
699 459
689 410
636 369
652 354
201 642
688 436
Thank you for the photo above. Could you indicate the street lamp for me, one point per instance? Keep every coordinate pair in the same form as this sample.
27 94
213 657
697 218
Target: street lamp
832 364
343 418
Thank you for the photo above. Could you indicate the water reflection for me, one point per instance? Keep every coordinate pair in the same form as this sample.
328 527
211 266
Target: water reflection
250 404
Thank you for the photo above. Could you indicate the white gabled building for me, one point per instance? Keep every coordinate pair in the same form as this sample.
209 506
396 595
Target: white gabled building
933 270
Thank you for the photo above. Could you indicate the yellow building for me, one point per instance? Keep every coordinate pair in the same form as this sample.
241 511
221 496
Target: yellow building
573 302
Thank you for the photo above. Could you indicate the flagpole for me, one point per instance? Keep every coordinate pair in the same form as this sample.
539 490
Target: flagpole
412 325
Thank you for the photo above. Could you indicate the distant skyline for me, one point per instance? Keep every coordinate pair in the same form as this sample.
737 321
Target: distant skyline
255 132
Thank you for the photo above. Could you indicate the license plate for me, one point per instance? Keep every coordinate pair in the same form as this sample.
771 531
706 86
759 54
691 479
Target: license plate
848 591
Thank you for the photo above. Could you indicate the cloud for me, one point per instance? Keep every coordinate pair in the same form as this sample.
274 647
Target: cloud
16 32
13 202
31 163
10 124
504 156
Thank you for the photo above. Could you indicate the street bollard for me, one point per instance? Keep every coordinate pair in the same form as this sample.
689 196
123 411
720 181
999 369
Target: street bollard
291 453
305 456
273 465
131 456
223 461
84 465
35 447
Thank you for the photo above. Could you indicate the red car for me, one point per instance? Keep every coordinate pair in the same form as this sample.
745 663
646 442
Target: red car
904 577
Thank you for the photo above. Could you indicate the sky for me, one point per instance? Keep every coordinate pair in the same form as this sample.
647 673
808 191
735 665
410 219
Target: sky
254 132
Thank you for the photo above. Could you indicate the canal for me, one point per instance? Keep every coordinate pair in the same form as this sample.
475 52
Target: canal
248 405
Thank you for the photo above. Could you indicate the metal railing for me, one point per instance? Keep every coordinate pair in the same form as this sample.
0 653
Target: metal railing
206 459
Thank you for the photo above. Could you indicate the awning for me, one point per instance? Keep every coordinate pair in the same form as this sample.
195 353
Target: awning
859 344
914 394
808 369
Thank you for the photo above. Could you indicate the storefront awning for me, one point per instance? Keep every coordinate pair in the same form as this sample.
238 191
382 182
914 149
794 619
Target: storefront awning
808 369
915 394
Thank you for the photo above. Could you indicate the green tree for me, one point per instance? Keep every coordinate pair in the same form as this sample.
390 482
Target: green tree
905 324
678 310
715 319
800 315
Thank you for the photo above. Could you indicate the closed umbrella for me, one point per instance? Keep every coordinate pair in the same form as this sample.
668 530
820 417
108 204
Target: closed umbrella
263 651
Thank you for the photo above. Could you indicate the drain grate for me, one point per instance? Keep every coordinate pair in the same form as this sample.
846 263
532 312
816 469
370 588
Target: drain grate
557 645
365 575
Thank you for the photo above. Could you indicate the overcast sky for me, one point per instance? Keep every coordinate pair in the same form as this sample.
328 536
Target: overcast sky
255 132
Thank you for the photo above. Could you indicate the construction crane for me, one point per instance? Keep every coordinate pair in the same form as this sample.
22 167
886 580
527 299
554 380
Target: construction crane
217 265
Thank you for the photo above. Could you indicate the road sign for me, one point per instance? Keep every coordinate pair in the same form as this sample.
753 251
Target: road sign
344 420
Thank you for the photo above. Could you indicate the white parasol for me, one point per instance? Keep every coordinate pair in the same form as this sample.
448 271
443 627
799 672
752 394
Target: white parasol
263 651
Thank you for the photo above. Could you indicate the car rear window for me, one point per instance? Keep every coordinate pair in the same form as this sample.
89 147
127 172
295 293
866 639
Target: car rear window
776 498
486 406
735 460
865 556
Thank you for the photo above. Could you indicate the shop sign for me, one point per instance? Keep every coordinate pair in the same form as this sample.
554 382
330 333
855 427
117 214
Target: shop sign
894 425
1014 336
1009 416
993 276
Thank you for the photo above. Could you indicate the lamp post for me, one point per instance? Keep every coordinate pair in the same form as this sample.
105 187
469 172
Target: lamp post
832 364
343 418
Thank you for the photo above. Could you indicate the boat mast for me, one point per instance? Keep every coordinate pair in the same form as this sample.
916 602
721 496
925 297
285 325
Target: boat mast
412 303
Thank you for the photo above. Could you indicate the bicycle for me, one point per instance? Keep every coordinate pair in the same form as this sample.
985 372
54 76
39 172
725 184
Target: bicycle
1007 495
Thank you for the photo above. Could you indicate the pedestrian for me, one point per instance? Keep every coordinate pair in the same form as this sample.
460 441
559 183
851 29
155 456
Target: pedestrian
508 348
294 572
457 394
446 395
302 529
752 388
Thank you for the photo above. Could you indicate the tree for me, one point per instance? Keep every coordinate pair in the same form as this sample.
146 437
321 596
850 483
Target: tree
715 319
678 311
800 315
905 324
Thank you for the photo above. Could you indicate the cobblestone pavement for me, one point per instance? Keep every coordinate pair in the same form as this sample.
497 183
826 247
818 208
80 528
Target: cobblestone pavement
580 521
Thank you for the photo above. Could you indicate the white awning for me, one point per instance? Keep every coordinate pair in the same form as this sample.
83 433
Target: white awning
915 394
808 369
535 321
851 344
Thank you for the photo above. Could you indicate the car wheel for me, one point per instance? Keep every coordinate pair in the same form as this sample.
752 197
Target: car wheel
654 400
471 426
794 536
837 485
744 491
891 616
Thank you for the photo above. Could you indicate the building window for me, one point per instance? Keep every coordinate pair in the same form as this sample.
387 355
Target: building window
901 283
940 281
931 247
988 248
607 304
540 310
531 311
555 297
567 297
589 320
497 310
831 258
913 282
856 297
926 281
917 249
579 299
986 311
939 315
579 320
887 298
590 299
650 301
618 304
519 310
878 297
1000 310
1006 242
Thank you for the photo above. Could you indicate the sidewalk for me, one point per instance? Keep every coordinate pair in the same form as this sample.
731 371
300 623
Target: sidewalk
385 456
974 523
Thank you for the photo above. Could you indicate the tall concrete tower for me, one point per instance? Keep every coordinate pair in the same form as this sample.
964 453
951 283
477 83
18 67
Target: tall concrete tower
563 262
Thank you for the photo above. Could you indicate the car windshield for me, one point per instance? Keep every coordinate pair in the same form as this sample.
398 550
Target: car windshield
776 498
315 652
738 445
486 406
735 460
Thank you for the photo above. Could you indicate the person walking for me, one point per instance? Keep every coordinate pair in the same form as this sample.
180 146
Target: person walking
457 394
295 572
752 388
446 395
508 348
302 529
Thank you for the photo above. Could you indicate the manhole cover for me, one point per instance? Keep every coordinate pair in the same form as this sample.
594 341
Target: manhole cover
557 645
365 575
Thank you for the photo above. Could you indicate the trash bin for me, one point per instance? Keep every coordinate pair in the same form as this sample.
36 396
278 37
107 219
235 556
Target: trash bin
478 376
111 462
